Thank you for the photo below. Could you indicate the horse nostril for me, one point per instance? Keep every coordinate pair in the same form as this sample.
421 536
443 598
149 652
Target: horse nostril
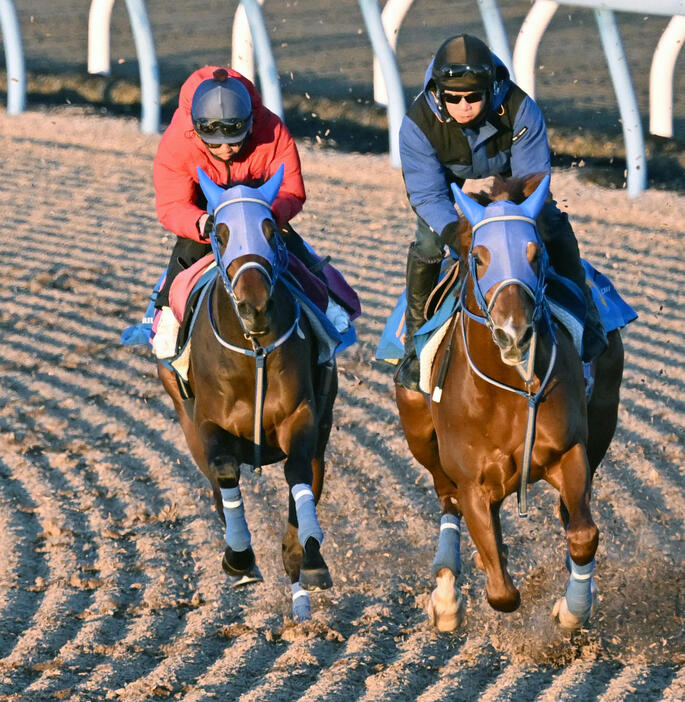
245 310
502 339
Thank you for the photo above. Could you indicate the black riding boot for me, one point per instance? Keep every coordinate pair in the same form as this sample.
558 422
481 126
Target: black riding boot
422 276
562 248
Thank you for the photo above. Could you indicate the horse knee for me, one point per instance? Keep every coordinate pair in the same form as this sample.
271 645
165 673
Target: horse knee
582 543
226 469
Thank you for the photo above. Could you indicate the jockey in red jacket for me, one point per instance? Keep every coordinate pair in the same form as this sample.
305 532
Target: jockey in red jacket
222 126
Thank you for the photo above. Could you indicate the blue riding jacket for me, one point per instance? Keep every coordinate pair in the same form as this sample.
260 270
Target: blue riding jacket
434 152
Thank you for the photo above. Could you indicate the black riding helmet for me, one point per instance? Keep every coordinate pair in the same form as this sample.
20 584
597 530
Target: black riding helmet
463 63
221 110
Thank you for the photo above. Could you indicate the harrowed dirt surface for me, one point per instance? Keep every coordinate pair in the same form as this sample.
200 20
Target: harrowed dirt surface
110 579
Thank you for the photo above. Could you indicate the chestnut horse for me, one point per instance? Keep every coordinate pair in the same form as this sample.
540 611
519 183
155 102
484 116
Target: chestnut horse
513 409
260 395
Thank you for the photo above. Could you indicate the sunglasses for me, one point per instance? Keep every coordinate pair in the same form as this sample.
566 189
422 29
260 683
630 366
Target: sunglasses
470 98
229 128
218 146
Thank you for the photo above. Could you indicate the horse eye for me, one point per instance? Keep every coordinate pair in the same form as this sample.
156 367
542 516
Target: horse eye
222 233
477 260
268 229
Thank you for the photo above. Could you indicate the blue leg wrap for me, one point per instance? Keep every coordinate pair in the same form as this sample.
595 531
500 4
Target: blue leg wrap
449 547
237 533
308 524
579 589
302 608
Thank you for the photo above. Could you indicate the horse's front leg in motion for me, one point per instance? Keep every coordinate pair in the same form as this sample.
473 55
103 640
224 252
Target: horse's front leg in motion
482 518
313 571
239 561
574 482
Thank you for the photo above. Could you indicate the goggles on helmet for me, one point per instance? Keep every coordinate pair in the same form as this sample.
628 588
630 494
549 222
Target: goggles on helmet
463 70
227 127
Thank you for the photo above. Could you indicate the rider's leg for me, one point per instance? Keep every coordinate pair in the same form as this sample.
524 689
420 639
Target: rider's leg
185 253
423 269
561 244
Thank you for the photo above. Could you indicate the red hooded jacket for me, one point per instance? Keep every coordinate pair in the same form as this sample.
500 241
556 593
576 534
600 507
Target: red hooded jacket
181 151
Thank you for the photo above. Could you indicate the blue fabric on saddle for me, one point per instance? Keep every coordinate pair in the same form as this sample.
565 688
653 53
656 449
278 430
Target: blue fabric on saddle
614 310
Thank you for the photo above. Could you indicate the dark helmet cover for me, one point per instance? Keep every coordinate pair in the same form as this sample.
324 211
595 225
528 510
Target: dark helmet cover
463 63
221 109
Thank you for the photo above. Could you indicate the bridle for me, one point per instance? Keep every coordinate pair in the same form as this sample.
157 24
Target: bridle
540 312
258 351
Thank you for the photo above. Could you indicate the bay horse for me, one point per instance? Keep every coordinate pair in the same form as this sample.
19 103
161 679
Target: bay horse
258 394
513 410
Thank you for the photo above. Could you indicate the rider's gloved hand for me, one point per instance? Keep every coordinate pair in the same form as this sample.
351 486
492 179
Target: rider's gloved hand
205 225
450 235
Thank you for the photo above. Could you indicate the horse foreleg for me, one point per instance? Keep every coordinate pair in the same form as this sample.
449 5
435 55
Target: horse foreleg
573 480
297 438
482 519
239 561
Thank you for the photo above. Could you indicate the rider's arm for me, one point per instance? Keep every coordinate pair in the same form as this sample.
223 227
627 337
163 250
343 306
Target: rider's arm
529 148
291 195
175 189
425 178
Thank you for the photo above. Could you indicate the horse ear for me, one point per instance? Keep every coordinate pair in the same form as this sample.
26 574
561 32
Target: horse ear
532 205
473 211
270 189
212 191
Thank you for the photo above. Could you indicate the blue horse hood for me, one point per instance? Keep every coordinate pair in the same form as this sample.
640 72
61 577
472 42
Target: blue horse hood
501 85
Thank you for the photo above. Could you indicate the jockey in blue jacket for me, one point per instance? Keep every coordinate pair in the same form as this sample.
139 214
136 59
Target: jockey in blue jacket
472 121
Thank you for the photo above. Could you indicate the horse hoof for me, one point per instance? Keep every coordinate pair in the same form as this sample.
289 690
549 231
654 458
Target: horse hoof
569 621
246 573
446 606
312 579
314 574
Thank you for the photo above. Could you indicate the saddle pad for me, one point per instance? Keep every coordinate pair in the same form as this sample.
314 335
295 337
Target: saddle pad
184 283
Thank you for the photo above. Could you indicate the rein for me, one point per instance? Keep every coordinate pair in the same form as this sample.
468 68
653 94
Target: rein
527 375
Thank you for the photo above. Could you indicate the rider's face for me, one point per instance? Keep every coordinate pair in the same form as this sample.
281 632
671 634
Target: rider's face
225 152
463 111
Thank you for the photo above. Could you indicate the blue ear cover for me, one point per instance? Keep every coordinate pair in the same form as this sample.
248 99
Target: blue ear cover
270 189
471 209
533 204
212 191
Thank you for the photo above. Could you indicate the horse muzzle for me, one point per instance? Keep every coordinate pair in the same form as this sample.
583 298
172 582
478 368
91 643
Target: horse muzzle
256 320
513 344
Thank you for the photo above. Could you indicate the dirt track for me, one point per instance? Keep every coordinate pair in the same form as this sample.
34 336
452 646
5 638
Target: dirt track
110 579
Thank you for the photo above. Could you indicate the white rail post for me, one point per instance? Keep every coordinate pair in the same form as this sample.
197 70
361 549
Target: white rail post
14 58
636 160
268 75
391 74
391 17
495 31
528 40
147 63
99 19
661 77
242 50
